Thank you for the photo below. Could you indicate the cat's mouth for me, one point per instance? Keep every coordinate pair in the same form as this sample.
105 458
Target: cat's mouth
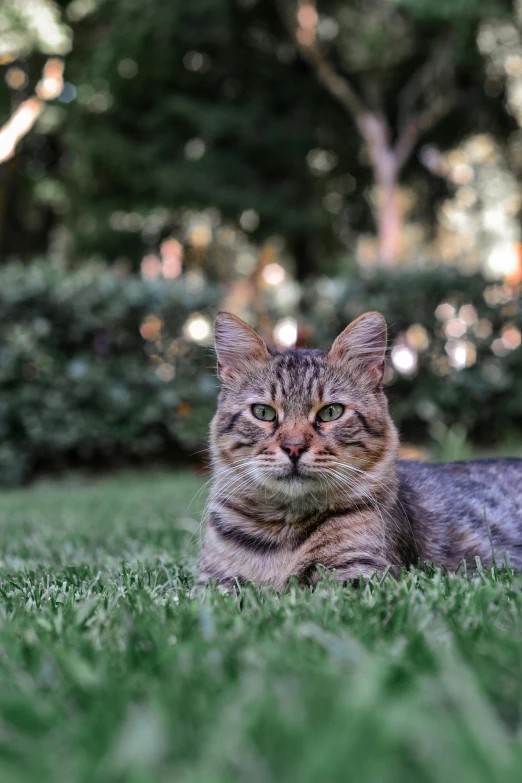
294 473
294 482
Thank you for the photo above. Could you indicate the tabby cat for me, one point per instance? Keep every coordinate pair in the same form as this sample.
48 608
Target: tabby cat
305 472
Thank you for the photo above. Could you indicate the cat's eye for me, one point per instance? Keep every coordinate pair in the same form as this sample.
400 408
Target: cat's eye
264 412
330 412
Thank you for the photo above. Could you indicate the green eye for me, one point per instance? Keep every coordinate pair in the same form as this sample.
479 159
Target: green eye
264 412
330 412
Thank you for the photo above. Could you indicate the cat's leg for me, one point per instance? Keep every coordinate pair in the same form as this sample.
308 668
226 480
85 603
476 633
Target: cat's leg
312 575
349 547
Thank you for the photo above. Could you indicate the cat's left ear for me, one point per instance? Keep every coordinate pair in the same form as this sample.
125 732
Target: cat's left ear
361 348
239 349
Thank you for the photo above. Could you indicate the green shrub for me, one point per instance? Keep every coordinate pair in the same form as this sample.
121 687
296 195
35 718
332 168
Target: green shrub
95 368
81 385
483 398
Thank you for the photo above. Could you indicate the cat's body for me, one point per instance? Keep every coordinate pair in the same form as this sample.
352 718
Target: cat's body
320 483
461 510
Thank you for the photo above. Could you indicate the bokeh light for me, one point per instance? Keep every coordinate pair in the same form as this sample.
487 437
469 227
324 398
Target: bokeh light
150 329
171 252
404 359
511 337
273 274
197 328
150 267
285 333
503 259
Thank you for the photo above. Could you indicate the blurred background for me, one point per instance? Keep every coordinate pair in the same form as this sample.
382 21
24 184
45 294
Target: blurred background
292 161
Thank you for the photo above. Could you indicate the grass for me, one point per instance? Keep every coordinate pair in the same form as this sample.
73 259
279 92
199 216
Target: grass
110 670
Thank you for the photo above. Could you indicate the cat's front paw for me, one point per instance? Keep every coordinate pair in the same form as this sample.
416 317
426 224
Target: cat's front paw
352 574
223 584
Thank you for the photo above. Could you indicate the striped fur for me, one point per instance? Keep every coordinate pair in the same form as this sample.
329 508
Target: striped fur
344 502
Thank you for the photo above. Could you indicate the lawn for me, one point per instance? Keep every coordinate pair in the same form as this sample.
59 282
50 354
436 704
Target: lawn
112 670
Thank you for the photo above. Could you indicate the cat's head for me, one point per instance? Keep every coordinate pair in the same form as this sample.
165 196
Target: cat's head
301 420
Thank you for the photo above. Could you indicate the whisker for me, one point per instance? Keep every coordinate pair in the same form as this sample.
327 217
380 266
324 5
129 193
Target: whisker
351 485
387 490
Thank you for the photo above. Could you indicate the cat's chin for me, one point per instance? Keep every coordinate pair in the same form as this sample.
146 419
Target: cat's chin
292 484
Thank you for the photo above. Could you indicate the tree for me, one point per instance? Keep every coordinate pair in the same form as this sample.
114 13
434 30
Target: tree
189 106
394 91
32 34
208 104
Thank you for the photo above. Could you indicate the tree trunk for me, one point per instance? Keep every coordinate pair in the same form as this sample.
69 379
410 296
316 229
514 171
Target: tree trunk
386 167
387 159
389 224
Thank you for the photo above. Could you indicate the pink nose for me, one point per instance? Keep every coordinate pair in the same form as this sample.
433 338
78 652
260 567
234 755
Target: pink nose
294 449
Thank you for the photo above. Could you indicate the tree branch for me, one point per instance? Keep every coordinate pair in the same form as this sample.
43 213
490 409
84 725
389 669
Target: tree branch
437 68
413 123
387 159
25 116
422 122
303 31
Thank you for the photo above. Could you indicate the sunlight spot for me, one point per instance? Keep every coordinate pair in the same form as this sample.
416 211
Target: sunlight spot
404 359
273 274
285 332
503 259
197 328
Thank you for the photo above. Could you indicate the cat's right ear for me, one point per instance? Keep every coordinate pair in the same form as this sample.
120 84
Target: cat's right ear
238 347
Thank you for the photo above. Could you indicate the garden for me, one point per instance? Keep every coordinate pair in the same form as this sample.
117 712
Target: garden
296 163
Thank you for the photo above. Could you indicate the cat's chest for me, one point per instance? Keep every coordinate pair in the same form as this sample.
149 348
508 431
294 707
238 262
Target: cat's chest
235 548
243 545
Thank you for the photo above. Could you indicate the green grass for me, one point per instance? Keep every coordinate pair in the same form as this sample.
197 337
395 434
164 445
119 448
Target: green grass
110 670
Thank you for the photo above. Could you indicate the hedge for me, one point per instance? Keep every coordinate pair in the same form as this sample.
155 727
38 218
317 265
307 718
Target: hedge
81 384
96 367
426 311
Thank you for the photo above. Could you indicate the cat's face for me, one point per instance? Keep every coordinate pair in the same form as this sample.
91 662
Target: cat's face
302 420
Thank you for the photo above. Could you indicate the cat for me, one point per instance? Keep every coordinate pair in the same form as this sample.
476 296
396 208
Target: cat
306 473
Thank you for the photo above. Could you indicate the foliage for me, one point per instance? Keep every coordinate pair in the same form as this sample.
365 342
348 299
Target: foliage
79 381
206 104
111 670
182 106
27 28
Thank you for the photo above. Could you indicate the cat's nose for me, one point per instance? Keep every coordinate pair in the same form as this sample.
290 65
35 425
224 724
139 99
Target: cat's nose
294 449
